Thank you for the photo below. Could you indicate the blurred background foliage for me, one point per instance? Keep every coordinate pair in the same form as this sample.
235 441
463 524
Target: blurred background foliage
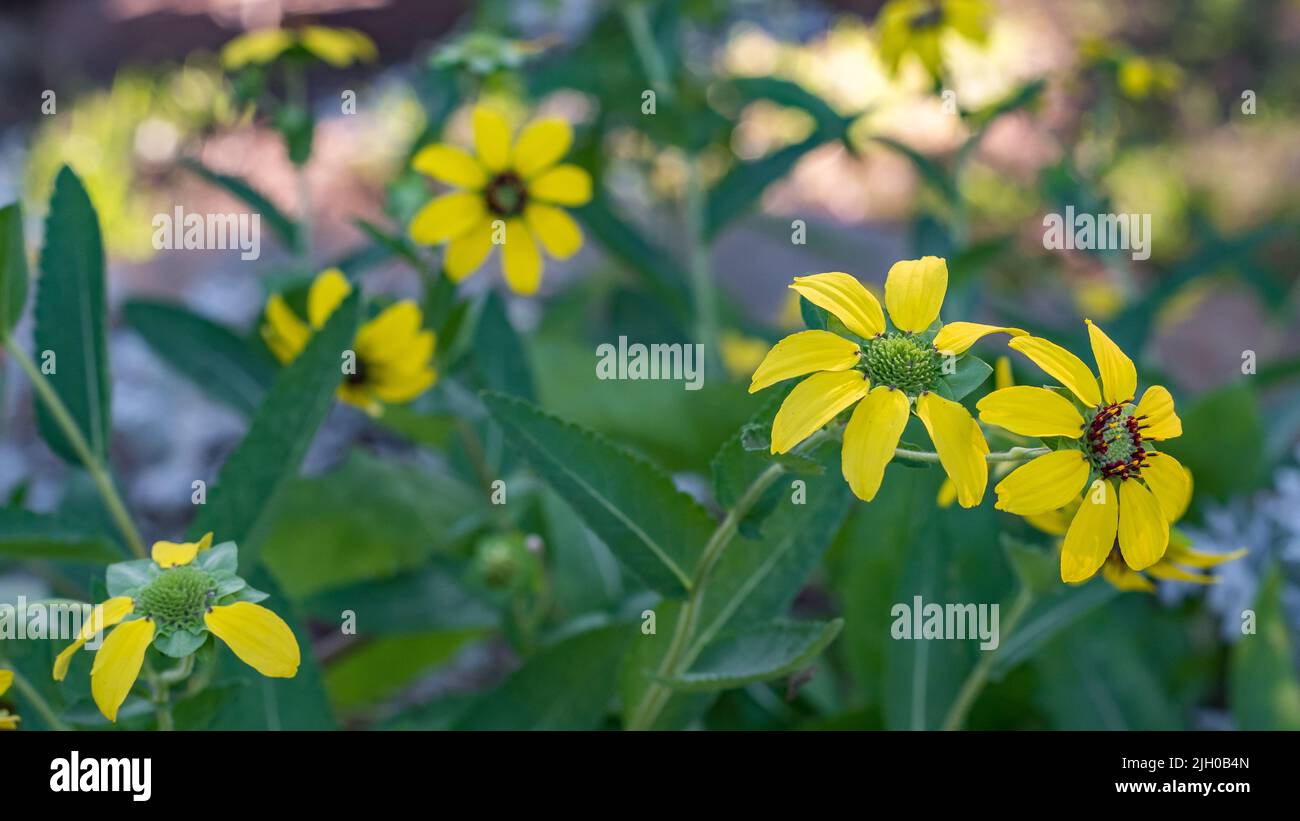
475 615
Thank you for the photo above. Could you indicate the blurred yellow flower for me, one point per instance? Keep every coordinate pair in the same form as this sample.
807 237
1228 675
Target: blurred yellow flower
508 193
741 354
394 355
178 596
8 721
335 46
918 27
1106 453
905 365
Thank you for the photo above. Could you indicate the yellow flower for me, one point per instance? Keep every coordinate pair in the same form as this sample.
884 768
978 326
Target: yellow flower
394 355
906 366
1106 452
1172 566
507 196
8 721
918 27
1001 379
741 353
177 596
338 47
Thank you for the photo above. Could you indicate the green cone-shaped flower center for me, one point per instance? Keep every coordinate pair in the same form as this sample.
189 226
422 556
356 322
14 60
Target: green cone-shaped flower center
1113 442
178 598
903 361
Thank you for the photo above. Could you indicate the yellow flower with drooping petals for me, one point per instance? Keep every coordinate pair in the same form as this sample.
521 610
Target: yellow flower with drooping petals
188 589
508 195
338 47
1173 566
919 26
905 365
394 354
8 721
1001 379
1107 453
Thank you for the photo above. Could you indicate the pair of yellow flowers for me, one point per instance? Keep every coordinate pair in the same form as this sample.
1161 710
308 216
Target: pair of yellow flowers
1103 450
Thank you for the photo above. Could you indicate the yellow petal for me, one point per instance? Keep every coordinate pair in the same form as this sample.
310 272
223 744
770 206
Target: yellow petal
1091 534
450 164
338 47
556 230
1046 483
1059 363
391 332
258 636
255 47
1186 555
947 493
284 333
521 262
406 387
960 444
467 252
103 615
1118 375
846 298
6 679
563 185
1170 482
1143 529
802 353
447 217
957 337
173 554
329 289
491 138
870 437
914 291
1121 578
1172 572
541 145
117 665
1052 522
9 721
814 402
1002 377
1156 411
1031 412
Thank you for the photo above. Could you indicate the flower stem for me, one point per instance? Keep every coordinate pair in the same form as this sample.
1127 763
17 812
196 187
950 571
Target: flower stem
979 674
1011 455
678 657
98 471
37 701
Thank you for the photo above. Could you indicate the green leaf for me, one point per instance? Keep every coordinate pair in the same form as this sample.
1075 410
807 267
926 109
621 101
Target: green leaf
930 170
431 598
27 535
814 318
285 228
212 356
380 669
654 529
13 267
743 186
269 455
1047 618
1263 689
566 686
500 356
759 654
367 519
71 318
585 575
179 644
124 578
969 373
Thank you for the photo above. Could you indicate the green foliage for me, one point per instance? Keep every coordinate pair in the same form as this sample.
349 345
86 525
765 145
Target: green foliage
27 535
285 228
758 654
1264 690
13 267
71 319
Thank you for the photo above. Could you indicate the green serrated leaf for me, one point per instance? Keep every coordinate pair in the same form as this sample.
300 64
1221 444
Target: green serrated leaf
212 356
27 535
13 267
758 654
71 319
500 357
653 528
277 439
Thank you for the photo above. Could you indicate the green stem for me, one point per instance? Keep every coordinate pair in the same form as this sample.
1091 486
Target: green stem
703 287
98 471
647 51
162 701
677 658
1011 455
35 700
295 81
979 674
